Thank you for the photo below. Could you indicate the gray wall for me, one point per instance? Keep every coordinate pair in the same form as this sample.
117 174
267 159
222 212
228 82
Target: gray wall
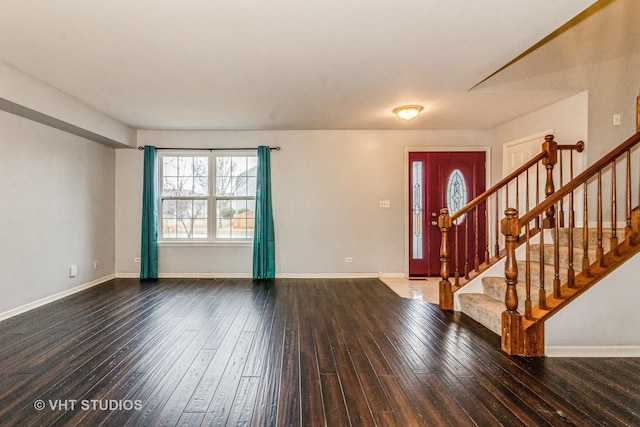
57 193
326 191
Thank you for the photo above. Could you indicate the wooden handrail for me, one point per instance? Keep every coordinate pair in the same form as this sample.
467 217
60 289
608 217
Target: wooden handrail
580 179
545 153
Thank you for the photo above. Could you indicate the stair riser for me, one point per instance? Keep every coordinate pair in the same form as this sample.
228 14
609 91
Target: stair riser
496 288
549 274
593 238
563 256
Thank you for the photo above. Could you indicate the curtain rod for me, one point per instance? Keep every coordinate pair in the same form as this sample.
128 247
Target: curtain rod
209 149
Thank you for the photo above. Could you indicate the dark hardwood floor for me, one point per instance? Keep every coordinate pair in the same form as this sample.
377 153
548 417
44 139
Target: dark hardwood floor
290 352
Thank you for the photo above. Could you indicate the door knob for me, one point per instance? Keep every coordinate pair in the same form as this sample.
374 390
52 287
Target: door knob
434 223
433 214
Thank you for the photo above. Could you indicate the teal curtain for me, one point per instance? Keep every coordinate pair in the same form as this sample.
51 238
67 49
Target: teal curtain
264 248
149 247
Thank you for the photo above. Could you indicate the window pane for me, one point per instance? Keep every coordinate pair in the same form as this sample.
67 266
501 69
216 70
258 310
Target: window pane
185 176
200 229
456 193
185 166
200 209
200 186
224 214
224 176
169 209
169 186
170 166
185 186
184 219
235 176
169 228
201 176
252 166
417 184
235 219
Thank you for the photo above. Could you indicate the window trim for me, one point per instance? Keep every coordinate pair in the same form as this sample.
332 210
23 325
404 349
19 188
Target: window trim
212 198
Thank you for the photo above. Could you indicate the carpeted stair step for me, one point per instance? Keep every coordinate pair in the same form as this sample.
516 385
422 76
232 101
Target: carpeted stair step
549 274
578 237
496 288
563 255
484 310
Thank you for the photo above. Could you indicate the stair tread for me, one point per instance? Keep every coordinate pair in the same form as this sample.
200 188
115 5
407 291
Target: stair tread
484 310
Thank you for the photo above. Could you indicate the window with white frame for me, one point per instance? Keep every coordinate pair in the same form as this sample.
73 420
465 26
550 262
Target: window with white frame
207 196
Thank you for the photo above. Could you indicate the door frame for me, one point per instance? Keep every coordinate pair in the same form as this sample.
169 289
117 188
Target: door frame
407 150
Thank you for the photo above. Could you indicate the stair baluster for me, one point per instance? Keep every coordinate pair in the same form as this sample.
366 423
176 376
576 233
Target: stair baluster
627 230
551 148
542 296
585 235
527 301
614 207
600 249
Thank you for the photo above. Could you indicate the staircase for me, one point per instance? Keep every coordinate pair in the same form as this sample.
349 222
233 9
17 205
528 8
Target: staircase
556 261
487 307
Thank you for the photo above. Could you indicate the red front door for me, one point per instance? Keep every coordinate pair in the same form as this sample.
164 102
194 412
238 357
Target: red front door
438 180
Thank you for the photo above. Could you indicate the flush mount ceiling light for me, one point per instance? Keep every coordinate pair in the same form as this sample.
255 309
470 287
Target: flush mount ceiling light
407 112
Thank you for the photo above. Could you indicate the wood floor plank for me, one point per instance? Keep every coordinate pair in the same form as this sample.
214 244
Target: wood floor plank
333 400
289 411
355 398
223 399
336 352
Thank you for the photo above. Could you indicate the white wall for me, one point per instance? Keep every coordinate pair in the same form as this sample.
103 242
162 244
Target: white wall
57 193
613 89
567 118
606 315
326 190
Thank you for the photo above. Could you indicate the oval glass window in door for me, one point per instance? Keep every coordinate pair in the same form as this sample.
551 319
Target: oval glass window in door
456 193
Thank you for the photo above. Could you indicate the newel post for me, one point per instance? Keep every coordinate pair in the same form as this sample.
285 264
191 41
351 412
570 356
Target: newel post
446 294
551 148
512 332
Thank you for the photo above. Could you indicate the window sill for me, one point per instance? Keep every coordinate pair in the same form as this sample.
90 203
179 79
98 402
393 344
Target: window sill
206 243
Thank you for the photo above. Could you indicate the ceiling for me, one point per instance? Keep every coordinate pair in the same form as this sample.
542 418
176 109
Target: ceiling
285 64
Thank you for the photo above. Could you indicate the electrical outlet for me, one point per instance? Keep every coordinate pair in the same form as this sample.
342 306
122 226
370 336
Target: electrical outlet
73 271
348 259
137 259
96 264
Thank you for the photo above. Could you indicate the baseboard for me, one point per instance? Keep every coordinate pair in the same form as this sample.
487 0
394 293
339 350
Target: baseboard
327 276
592 351
393 275
189 275
248 276
55 297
